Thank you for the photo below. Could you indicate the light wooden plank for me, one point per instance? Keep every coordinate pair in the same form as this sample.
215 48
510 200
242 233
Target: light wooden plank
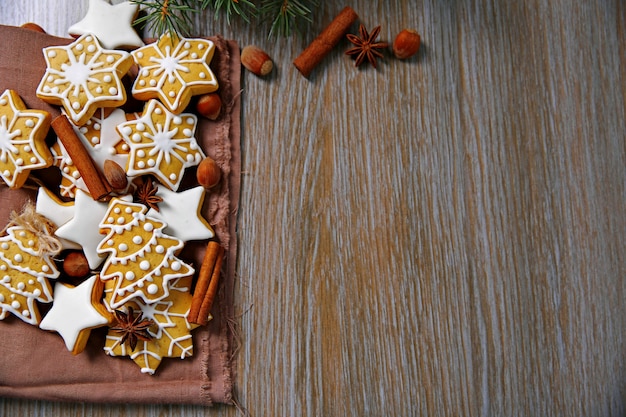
443 236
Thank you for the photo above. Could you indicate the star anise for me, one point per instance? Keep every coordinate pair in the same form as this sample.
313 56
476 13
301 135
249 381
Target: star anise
133 328
366 46
146 194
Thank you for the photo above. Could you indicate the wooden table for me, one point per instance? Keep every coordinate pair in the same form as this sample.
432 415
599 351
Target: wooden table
443 236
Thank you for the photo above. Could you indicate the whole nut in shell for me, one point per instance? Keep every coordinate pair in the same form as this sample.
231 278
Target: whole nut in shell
115 175
406 44
208 173
75 264
209 105
256 60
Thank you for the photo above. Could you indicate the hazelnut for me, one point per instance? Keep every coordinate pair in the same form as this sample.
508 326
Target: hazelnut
209 106
115 175
75 264
406 44
208 173
256 60
33 26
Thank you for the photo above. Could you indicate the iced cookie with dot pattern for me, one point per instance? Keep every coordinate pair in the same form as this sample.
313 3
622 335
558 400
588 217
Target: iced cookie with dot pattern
22 139
174 69
83 77
161 143
141 258
24 275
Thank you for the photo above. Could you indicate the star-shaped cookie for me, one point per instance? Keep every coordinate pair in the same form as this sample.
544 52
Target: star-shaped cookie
76 311
161 143
181 212
174 69
22 139
83 228
82 77
111 24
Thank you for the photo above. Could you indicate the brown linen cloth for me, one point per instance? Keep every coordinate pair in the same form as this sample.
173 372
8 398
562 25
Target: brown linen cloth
34 363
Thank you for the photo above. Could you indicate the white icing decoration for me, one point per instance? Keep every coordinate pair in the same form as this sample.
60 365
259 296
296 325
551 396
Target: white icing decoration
72 312
83 228
181 212
112 24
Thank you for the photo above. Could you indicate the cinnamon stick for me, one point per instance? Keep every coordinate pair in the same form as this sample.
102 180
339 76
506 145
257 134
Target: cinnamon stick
325 42
97 186
207 284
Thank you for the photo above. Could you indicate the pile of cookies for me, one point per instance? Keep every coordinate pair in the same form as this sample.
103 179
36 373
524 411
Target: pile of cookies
119 218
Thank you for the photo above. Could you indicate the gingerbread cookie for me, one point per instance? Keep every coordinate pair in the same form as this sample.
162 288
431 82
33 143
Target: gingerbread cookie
174 69
83 228
112 24
168 337
162 144
83 76
76 310
22 139
142 259
24 274
181 212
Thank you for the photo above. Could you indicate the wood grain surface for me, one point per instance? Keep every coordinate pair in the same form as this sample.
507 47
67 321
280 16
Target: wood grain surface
443 236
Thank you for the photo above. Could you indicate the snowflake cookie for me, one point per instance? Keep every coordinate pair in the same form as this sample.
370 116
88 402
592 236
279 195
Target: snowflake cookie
142 259
22 139
24 275
174 69
161 143
170 333
83 76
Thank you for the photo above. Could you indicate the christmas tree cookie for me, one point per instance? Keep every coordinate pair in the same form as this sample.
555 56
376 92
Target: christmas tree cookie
141 258
24 274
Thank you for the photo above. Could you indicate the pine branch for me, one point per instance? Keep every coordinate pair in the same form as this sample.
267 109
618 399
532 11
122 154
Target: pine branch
173 16
176 16
286 15
243 8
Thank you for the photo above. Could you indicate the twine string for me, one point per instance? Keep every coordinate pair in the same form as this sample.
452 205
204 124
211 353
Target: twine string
40 226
